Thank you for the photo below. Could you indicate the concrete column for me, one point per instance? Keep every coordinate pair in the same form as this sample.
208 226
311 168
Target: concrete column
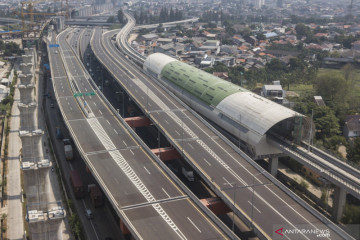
27 58
26 79
27 116
273 165
26 68
31 145
339 203
26 93
28 51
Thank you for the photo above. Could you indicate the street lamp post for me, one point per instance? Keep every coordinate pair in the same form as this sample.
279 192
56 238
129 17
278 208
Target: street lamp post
252 197
123 102
233 186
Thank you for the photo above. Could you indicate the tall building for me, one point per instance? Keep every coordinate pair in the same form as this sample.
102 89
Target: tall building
259 3
279 4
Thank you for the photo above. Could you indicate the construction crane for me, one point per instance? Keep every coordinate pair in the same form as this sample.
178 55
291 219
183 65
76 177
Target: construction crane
31 13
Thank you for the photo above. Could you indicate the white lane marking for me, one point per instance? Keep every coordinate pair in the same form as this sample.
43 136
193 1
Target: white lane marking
68 103
166 121
117 181
86 89
115 131
207 161
177 133
191 145
254 207
95 103
132 152
124 143
166 193
90 97
230 184
108 122
149 104
147 170
100 112
70 108
193 224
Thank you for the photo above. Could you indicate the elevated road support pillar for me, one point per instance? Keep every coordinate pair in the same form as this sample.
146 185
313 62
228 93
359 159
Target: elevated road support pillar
166 154
273 165
26 92
26 68
339 203
27 116
25 79
123 228
216 205
31 143
135 122
27 58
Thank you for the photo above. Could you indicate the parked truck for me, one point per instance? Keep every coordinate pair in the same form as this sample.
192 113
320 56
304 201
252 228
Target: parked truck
189 174
59 133
77 184
95 195
68 150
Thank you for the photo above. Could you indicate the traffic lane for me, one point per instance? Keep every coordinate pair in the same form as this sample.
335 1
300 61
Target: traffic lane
62 87
198 127
206 161
71 108
154 178
85 135
187 218
118 135
114 179
285 210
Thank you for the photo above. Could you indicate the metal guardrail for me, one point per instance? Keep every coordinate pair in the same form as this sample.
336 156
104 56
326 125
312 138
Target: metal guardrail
277 183
348 166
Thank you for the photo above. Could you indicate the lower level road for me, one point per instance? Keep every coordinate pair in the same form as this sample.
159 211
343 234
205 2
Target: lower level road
150 204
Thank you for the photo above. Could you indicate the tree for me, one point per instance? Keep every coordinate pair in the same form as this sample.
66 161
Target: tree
111 19
301 30
326 123
353 152
120 16
260 36
333 88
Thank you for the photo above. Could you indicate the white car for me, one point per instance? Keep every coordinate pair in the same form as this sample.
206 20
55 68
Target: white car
89 214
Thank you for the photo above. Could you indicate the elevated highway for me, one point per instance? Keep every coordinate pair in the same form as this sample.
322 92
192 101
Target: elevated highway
257 197
344 176
145 197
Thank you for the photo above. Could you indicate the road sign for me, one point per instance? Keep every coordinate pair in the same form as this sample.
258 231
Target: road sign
78 94
90 94
53 45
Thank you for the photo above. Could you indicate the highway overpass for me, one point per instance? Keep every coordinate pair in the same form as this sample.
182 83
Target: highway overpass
221 164
151 202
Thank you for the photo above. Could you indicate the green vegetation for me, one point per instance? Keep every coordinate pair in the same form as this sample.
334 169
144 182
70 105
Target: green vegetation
353 151
111 19
10 48
74 222
351 214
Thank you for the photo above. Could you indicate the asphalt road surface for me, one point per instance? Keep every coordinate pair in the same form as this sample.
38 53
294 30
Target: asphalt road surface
266 206
129 177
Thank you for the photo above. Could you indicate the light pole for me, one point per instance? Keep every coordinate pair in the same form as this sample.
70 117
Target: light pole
312 117
233 215
252 198
327 184
233 186
123 102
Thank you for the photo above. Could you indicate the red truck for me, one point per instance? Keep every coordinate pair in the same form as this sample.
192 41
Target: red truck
77 184
96 195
